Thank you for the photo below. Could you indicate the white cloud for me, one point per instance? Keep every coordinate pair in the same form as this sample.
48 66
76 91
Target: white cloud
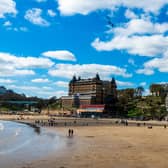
11 65
138 45
139 26
72 7
7 23
34 16
158 63
87 70
24 62
138 36
59 93
31 88
4 71
145 71
6 81
60 55
62 84
130 14
7 7
84 7
126 84
163 82
161 64
40 80
38 91
142 84
51 13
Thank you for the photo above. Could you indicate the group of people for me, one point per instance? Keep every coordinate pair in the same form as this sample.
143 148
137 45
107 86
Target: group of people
70 132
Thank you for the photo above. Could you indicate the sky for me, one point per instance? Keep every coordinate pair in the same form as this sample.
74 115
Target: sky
43 43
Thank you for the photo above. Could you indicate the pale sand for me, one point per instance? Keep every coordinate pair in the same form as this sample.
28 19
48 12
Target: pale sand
109 147
26 117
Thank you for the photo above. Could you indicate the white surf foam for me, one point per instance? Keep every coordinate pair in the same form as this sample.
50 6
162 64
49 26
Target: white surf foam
1 127
18 131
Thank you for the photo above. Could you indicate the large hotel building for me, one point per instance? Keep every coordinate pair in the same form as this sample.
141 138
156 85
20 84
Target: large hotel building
92 91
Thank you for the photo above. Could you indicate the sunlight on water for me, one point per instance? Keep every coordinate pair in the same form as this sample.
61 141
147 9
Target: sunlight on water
20 140
18 131
13 136
1 127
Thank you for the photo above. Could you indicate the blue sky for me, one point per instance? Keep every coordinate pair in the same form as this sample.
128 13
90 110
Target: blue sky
43 43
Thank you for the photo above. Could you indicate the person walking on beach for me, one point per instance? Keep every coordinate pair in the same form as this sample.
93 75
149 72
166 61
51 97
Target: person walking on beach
69 132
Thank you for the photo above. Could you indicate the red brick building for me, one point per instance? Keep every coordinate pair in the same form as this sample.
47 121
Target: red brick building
88 91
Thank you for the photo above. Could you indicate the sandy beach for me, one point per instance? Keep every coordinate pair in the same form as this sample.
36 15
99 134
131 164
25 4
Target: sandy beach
107 146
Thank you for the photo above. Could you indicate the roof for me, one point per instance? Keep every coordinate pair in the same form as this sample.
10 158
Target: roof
93 106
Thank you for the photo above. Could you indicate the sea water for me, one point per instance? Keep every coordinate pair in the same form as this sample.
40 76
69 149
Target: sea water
20 143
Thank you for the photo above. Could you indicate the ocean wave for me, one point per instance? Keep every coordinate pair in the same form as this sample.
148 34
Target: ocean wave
1 127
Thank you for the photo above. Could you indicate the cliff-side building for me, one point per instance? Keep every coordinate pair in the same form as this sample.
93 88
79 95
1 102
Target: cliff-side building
88 91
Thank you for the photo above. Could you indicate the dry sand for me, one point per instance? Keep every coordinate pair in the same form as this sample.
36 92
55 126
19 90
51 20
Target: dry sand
109 147
25 117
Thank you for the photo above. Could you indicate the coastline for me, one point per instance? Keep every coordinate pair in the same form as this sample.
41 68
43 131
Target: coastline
114 145
71 121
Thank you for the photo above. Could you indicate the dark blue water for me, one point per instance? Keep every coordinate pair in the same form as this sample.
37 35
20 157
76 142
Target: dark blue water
20 143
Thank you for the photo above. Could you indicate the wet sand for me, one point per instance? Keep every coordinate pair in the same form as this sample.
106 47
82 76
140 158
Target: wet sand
109 147
20 143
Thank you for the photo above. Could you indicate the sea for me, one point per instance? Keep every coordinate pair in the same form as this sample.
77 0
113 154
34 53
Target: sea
21 143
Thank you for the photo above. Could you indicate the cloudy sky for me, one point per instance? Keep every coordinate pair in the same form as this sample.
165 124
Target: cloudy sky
43 43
